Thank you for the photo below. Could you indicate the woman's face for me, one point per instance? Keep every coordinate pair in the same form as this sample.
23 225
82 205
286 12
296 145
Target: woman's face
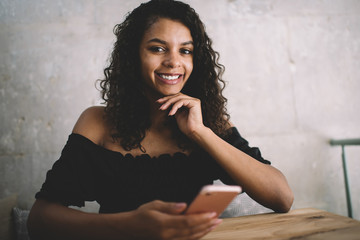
166 56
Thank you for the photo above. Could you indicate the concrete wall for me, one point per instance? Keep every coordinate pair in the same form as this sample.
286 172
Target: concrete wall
292 67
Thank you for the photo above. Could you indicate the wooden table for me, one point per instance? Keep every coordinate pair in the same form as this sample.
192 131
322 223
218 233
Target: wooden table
306 223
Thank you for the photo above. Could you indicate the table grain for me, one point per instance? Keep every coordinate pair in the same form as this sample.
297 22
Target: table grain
308 223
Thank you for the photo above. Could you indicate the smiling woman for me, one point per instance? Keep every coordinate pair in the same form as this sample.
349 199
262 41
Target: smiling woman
163 134
164 24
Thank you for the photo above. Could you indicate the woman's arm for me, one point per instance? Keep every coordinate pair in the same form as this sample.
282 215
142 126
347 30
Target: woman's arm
154 220
264 183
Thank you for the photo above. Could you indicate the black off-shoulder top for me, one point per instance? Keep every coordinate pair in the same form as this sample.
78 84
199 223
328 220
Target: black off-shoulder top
88 172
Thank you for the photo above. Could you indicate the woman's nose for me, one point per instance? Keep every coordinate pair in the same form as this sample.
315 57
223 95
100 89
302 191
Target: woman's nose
172 60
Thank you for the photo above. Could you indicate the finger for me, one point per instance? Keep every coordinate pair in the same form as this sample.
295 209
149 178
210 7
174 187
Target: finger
208 226
167 98
205 229
179 104
170 102
197 231
186 102
164 99
173 100
190 221
166 207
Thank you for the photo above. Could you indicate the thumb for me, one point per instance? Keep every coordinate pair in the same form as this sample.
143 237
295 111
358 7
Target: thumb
170 208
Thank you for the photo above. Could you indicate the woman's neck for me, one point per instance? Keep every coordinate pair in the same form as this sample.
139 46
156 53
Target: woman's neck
159 118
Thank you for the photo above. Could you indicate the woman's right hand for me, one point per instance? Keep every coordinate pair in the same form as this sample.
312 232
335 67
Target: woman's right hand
163 220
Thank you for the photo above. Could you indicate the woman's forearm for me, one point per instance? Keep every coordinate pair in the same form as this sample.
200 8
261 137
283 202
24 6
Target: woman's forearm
49 220
262 182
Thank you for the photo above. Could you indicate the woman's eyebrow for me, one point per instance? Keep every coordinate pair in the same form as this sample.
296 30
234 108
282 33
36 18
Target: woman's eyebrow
187 43
157 40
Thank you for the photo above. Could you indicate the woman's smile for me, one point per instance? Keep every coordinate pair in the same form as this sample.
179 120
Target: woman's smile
170 79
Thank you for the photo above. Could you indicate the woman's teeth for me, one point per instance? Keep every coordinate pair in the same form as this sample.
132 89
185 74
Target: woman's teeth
168 77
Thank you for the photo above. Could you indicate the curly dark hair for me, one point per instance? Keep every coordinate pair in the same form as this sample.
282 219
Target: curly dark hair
127 107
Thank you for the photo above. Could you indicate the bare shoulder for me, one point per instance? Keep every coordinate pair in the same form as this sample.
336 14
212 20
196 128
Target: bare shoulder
91 124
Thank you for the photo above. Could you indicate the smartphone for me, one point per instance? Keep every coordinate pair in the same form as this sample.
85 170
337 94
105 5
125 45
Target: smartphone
213 198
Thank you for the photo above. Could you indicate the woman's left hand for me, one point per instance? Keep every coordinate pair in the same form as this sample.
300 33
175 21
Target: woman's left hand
187 112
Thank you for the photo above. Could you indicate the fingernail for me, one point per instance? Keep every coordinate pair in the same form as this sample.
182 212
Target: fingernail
211 215
180 205
215 224
217 221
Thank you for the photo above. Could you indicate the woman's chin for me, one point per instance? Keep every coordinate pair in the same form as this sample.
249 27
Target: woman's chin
169 92
159 92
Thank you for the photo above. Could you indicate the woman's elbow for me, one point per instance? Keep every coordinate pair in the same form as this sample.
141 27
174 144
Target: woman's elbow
285 203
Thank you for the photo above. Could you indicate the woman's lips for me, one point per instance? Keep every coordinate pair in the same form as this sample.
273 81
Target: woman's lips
170 79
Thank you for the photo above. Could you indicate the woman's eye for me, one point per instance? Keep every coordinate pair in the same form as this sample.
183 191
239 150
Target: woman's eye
157 49
186 51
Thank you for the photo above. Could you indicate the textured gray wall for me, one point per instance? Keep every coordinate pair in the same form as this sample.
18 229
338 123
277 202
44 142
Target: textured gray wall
292 67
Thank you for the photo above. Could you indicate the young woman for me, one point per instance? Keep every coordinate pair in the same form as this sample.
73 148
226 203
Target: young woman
163 134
